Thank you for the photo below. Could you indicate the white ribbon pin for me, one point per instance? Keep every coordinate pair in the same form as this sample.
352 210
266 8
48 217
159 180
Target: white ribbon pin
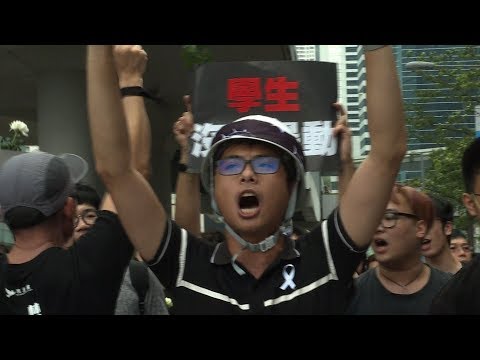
288 274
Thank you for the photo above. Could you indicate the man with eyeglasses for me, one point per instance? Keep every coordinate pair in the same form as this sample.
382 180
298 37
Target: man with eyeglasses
254 172
462 293
401 284
88 203
128 301
435 246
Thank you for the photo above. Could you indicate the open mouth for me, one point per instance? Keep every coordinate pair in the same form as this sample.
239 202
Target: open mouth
380 246
380 243
248 204
426 244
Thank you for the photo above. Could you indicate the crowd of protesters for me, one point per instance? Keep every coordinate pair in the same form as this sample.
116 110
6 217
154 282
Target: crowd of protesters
75 253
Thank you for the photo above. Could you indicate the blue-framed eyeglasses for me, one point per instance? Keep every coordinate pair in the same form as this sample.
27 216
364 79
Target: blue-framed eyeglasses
260 165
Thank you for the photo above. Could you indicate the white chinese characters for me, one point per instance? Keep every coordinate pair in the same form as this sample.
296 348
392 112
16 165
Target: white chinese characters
315 136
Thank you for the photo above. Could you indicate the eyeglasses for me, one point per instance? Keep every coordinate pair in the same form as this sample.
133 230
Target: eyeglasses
88 216
260 165
464 247
390 218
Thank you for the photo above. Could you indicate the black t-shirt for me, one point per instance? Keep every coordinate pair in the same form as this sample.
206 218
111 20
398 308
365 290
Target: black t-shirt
84 279
371 297
313 275
461 295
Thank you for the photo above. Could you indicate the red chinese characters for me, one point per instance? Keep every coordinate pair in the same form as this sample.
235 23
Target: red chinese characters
246 93
276 90
243 93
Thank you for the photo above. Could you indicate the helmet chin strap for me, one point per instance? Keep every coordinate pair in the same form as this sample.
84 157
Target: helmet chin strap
262 246
265 245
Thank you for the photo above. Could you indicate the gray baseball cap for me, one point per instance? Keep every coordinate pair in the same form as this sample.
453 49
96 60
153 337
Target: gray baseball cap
40 181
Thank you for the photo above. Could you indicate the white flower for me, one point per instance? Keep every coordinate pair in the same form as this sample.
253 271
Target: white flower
168 301
19 126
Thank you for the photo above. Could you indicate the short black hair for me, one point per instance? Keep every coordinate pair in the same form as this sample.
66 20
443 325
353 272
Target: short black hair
85 194
443 208
458 233
471 164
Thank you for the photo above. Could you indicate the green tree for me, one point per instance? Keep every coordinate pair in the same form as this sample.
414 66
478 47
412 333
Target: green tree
194 55
452 81
445 177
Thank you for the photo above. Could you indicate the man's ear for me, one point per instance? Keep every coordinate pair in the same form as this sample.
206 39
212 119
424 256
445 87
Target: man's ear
67 217
421 229
447 229
469 203
70 208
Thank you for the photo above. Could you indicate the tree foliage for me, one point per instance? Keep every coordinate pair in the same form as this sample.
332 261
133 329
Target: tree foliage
445 177
451 83
458 87
194 55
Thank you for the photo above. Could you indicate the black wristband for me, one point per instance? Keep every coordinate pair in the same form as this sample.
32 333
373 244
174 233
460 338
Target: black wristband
182 167
134 91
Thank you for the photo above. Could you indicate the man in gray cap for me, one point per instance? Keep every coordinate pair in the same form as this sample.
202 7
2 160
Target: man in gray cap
39 276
